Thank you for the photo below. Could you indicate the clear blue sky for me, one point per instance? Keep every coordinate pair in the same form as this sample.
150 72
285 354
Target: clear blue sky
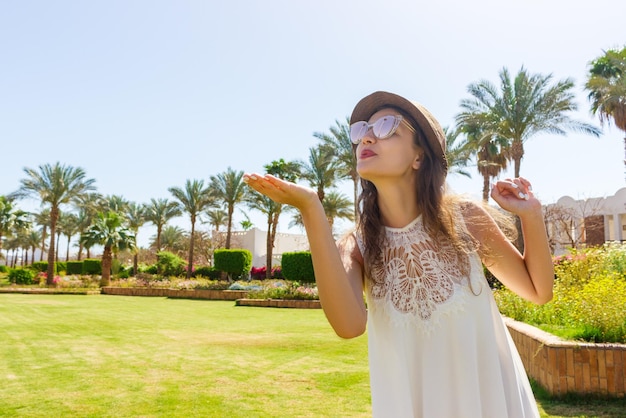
146 94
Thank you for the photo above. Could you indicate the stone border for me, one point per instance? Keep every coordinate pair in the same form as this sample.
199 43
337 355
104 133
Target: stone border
48 291
280 303
564 367
175 293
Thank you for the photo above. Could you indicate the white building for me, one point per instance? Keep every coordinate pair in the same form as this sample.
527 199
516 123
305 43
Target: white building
255 241
586 222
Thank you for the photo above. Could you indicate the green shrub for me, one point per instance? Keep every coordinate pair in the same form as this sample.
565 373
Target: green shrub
589 296
92 266
151 269
41 266
237 262
208 272
74 267
124 274
169 264
21 276
4 269
298 266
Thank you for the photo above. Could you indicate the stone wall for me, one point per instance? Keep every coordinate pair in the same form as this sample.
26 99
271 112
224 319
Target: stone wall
563 367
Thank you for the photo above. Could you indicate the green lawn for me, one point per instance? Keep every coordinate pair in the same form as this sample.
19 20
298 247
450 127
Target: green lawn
105 356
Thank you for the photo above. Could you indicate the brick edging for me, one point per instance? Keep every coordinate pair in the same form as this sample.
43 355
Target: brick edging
563 367
280 303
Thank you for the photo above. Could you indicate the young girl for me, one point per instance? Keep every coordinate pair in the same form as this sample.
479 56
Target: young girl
437 344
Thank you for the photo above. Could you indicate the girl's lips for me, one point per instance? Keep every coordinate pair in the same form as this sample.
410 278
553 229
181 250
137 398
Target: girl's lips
367 153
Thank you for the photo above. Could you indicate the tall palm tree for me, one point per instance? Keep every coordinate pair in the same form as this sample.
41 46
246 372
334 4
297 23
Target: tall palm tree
42 219
135 217
337 206
272 211
88 205
340 146
490 152
172 239
69 225
33 238
457 152
606 84
217 218
11 218
320 170
159 212
114 203
194 198
55 185
109 231
229 188
521 108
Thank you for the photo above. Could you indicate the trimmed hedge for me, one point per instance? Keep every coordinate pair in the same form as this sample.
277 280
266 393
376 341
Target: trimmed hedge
208 272
92 266
42 266
74 267
298 266
236 263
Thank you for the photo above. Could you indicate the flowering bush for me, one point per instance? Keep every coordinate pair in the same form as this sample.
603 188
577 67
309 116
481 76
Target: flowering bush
285 289
589 296
258 273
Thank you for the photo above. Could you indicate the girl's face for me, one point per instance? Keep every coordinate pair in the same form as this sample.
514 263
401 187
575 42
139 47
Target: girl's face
394 157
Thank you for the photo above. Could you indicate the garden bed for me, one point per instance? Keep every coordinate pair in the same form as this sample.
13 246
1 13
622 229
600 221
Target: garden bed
280 303
569 367
176 293
49 291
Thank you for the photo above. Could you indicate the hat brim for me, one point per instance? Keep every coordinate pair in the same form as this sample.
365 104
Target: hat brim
369 105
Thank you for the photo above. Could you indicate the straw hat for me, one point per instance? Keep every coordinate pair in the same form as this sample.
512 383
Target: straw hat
371 104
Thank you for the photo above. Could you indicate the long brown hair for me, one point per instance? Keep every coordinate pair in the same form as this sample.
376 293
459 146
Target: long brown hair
438 214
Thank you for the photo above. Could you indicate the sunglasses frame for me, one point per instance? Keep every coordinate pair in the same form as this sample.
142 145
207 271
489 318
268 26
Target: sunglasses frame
398 119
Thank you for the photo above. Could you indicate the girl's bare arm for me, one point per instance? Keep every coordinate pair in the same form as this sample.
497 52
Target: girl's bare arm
338 268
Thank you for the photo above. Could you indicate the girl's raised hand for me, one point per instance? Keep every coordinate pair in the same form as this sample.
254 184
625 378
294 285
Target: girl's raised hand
281 191
515 196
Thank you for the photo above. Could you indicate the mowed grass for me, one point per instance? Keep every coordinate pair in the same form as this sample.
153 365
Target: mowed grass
115 356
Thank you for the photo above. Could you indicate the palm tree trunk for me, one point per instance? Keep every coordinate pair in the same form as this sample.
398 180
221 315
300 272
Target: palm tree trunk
54 215
43 241
269 249
230 225
190 262
67 252
486 178
106 267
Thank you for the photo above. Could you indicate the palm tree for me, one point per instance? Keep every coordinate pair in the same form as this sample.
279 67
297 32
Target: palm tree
606 84
159 212
33 238
491 154
114 203
340 146
54 185
272 210
520 109
229 188
172 239
337 205
11 218
194 198
457 153
88 206
135 217
320 170
42 219
69 225
109 231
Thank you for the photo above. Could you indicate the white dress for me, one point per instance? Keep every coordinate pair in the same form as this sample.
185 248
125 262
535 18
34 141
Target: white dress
438 346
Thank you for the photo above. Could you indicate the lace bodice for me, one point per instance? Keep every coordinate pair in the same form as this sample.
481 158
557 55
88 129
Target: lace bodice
418 276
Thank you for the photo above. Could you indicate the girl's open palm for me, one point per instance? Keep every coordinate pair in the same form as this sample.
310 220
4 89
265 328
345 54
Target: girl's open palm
281 191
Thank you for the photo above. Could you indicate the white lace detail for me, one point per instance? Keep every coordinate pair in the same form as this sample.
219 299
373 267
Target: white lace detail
419 277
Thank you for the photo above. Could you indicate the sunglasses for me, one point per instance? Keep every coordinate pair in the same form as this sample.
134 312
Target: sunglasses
383 128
